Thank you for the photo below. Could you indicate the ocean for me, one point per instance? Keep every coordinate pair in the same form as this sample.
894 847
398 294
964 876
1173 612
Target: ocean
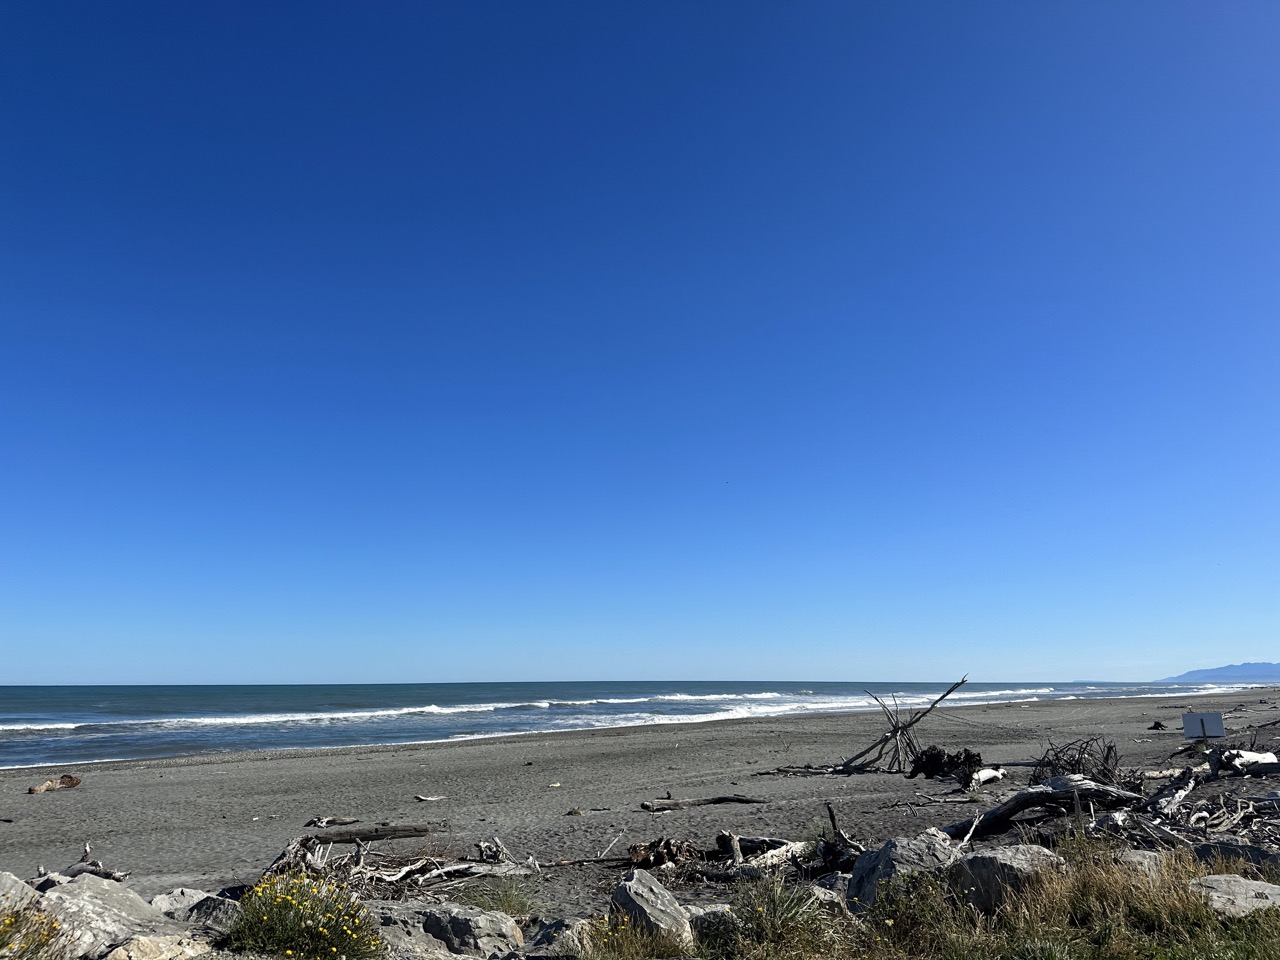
83 724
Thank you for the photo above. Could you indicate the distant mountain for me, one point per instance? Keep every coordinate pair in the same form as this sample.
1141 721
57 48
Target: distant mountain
1235 673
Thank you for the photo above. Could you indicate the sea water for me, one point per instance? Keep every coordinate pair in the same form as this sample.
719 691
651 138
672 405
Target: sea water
56 725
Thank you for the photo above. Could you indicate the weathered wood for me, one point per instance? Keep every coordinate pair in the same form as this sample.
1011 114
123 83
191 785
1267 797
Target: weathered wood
1056 791
748 846
64 782
1166 801
383 831
1256 770
894 736
661 806
323 822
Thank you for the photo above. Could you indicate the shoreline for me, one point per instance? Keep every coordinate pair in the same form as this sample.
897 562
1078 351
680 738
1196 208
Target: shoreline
208 821
1224 690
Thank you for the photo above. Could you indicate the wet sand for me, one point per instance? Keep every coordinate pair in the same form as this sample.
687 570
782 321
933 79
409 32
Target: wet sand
209 822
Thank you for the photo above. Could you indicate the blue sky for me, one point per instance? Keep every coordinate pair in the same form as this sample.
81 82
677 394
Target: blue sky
436 342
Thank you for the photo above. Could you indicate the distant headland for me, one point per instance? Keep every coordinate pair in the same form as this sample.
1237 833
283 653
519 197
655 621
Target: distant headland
1232 673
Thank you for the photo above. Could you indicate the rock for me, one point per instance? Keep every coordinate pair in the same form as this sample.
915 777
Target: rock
900 857
429 930
652 907
400 928
14 893
158 948
215 914
1216 851
1237 896
705 919
1145 862
176 903
97 914
47 881
570 937
987 878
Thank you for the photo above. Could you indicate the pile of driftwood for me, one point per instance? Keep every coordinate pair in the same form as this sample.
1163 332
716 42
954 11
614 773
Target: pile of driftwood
381 875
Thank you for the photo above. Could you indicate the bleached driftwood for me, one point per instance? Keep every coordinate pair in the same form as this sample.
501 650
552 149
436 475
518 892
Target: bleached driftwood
984 776
1166 801
667 803
64 782
92 867
323 822
1244 761
1064 792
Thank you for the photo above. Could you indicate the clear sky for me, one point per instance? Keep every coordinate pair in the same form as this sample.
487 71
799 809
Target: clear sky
464 341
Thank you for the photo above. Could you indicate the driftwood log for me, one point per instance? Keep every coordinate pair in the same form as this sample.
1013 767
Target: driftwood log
663 850
1062 792
323 822
382 831
94 868
64 782
667 803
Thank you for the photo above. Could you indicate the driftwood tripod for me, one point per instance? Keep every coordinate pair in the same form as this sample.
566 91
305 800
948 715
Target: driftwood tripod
898 741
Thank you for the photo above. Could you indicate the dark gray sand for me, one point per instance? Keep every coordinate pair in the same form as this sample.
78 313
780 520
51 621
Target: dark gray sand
208 822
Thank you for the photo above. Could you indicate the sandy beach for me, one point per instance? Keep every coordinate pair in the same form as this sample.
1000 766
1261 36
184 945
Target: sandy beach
209 822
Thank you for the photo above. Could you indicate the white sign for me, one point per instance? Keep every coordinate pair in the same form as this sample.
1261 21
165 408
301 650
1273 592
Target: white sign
1201 726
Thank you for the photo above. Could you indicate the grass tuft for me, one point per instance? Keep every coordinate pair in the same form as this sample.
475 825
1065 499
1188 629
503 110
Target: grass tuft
1098 909
514 896
615 937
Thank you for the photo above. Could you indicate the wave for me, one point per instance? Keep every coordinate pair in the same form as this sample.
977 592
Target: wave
680 697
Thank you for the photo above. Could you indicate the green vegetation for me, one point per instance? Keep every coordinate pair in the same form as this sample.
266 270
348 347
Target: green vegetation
30 934
1097 909
514 896
298 916
616 938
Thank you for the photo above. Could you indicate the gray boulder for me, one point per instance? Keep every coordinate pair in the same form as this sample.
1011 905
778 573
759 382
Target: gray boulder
987 878
707 918
47 881
97 914
1236 896
470 930
159 948
214 914
1217 851
929 852
176 903
401 930
14 893
433 930
652 907
570 937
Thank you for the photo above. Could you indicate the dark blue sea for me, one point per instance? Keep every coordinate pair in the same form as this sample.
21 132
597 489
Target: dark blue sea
53 725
